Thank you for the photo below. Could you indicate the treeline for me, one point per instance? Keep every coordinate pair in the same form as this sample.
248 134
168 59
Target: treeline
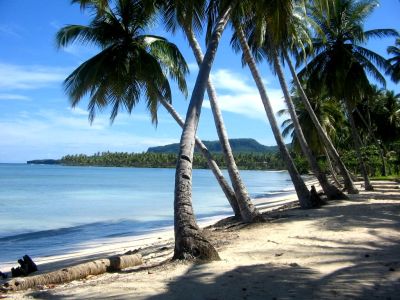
245 161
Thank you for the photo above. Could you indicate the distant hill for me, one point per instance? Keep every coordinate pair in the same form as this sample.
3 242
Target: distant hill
238 146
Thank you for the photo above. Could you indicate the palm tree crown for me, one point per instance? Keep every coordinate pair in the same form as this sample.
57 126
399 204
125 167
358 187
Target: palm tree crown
340 61
131 64
394 67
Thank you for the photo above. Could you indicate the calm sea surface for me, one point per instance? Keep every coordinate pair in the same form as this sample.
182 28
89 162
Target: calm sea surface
46 209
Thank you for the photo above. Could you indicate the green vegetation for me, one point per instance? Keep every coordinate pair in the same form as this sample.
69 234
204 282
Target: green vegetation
245 161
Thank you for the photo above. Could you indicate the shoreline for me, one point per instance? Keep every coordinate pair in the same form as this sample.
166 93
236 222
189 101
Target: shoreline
346 249
104 247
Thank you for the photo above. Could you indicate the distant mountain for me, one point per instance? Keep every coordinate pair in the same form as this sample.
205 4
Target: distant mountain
238 146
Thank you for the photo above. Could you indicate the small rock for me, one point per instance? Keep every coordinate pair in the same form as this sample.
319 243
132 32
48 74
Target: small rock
149 272
244 289
278 254
293 265
366 255
391 269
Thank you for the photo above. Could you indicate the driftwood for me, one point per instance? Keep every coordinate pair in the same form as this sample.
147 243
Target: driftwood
27 266
81 271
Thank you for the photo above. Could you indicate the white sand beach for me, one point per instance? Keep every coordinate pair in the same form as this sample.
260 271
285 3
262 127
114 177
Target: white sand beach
344 250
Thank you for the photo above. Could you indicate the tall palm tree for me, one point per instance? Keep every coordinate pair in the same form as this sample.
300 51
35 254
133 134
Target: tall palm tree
189 15
99 6
257 11
330 148
131 65
189 242
330 190
299 37
262 39
394 67
340 62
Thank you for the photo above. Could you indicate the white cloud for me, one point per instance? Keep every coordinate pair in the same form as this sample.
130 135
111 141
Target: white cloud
193 67
15 97
10 30
227 80
78 111
30 77
237 94
61 133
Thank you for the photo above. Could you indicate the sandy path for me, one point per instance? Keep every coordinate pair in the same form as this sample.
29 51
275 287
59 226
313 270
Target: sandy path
345 250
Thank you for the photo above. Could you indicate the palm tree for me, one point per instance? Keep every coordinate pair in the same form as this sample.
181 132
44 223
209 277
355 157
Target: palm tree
129 66
188 15
340 62
297 35
394 67
189 242
282 9
329 115
330 190
99 6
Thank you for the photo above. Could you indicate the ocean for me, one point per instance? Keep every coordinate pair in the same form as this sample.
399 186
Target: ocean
52 209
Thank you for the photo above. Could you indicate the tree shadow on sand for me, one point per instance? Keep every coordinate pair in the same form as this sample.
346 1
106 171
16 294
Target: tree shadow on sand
361 268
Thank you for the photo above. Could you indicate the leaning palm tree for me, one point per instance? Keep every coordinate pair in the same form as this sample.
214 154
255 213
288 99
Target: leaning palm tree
99 6
131 65
189 242
189 15
271 51
394 67
299 37
330 117
255 12
341 63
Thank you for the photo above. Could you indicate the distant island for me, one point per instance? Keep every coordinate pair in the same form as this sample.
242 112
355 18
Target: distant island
249 154
44 162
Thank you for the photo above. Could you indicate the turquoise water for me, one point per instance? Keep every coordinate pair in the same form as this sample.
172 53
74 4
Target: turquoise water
48 208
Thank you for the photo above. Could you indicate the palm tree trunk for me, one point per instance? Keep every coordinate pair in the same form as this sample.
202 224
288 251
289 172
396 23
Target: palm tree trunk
229 193
357 146
348 182
80 271
331 168
332 192
299 185
249 212
189 243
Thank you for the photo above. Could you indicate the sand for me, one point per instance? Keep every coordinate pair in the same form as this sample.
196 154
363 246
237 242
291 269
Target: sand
344 250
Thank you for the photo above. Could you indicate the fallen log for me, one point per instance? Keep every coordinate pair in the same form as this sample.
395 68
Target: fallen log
81 271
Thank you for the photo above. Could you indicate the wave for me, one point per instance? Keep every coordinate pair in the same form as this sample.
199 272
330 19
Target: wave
273 193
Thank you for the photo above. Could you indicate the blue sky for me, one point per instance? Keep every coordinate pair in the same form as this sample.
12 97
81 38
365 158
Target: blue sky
36 120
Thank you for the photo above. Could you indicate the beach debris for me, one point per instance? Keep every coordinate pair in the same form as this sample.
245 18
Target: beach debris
81 271
134 251
27 266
